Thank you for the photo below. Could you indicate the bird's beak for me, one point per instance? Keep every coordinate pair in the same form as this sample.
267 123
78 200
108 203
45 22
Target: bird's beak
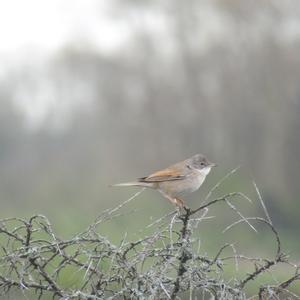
213 165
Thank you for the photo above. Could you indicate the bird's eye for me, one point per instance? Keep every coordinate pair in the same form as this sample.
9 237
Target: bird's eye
202 164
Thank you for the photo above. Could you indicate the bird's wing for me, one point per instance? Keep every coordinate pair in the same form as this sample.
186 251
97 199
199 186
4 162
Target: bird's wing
168 174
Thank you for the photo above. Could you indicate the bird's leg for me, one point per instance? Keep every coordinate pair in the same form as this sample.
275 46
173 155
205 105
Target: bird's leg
174 200
170 198
179 202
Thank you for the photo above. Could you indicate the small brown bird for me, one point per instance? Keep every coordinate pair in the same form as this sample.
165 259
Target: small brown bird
183 177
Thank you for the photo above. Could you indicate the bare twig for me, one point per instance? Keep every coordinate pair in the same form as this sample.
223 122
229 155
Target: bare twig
161 265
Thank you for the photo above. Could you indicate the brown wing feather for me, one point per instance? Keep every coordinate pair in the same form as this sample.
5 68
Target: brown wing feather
168 174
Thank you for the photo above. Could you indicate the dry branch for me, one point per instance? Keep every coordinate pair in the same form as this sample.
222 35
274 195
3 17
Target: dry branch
162 265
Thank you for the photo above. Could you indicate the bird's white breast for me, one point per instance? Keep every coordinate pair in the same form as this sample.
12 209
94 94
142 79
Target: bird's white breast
205 171
188 185
196 181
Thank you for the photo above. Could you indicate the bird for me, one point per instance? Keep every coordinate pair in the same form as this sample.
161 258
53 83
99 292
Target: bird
180 178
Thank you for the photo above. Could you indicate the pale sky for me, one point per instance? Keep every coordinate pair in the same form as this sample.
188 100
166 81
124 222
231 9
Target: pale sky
48 25
33 30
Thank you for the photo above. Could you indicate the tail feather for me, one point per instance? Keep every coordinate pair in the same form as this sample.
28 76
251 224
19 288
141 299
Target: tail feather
134 183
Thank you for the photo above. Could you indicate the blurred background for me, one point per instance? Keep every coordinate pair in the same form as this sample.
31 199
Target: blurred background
98 92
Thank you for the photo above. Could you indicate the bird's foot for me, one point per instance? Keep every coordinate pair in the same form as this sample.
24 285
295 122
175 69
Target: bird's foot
178 202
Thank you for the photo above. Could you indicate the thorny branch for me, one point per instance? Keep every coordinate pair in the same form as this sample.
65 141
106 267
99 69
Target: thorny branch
161 265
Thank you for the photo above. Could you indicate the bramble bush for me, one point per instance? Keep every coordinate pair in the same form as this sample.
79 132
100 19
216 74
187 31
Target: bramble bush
165 264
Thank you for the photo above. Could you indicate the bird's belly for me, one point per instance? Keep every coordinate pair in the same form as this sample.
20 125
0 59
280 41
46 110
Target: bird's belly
182 186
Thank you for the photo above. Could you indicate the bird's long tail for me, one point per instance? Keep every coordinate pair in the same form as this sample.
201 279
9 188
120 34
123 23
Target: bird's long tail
134 183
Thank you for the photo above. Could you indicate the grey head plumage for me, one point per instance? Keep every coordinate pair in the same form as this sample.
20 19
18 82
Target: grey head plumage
199 161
